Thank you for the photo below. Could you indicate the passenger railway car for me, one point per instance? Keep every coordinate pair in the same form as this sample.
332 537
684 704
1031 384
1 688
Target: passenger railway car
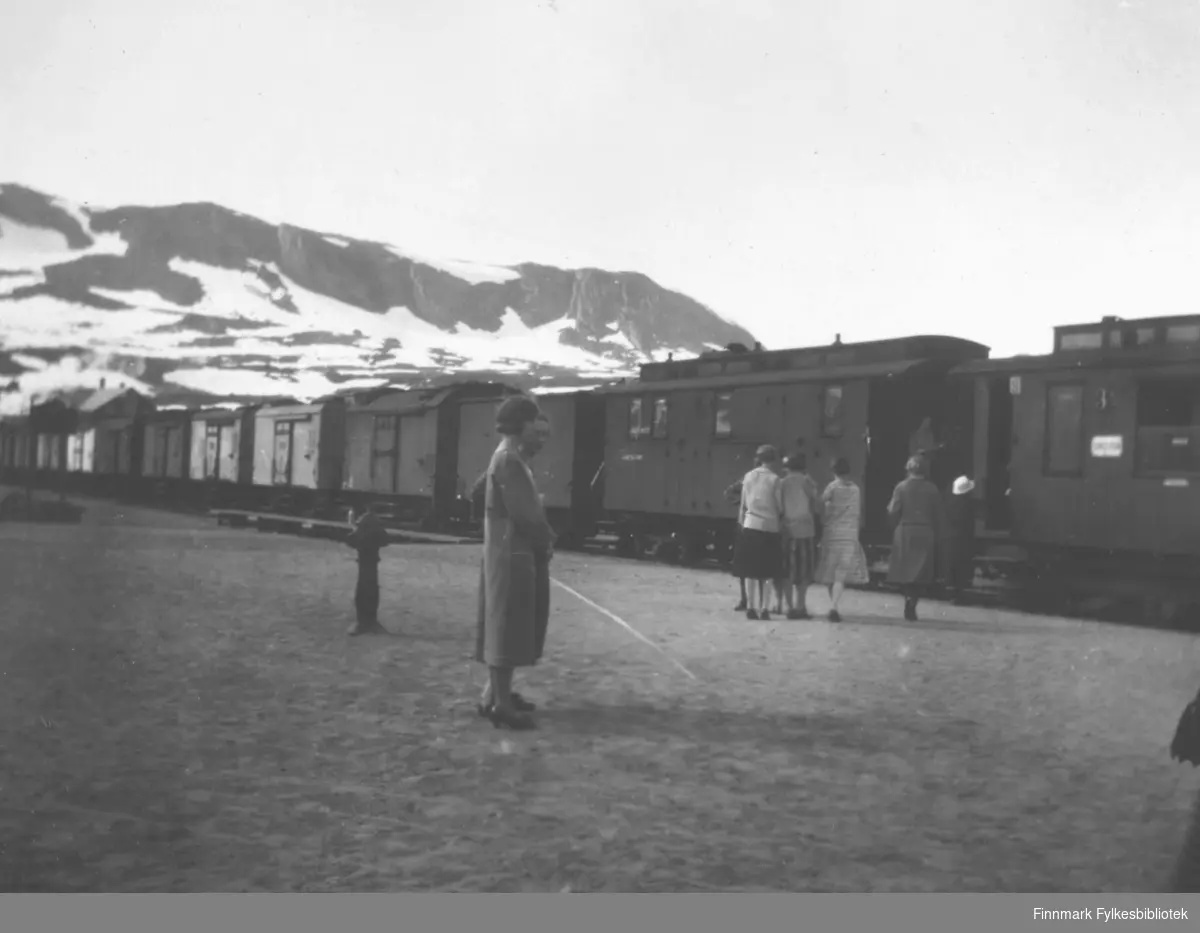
686 430
1093 451
568 471
404 448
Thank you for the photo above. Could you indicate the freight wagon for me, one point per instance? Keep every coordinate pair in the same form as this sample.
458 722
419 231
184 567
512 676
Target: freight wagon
568 471
404 449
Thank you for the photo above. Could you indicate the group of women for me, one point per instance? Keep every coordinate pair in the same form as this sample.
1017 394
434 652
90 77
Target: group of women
932 539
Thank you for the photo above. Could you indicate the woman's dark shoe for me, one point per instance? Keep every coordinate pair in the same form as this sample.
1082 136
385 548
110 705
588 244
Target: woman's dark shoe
520 704
835 616
740 607
511 719
797 614
765 616
752 614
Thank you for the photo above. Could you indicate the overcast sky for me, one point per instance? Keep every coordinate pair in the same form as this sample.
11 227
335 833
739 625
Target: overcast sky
869 167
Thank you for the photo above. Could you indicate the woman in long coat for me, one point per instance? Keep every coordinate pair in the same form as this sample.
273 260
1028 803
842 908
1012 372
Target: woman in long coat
919 521
514 582
842 557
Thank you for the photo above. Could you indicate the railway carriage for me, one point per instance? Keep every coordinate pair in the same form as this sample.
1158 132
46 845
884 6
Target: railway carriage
15 463
166 448
686 430
107 441
49 426
1092 452
221 459
298 455
403 448
567 471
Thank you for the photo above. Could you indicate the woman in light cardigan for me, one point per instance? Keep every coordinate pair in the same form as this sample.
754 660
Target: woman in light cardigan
758 556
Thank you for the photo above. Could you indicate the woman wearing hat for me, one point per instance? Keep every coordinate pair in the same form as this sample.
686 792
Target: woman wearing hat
842 558
960 537
758 553
917 515
514 581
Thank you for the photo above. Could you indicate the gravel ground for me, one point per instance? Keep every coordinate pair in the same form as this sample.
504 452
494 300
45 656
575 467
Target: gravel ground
180 710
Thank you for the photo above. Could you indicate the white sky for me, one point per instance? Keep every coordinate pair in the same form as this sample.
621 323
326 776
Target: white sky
869 167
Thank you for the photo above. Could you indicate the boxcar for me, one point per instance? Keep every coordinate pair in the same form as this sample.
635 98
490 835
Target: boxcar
567 471
1094 447
686 430
221 460
166 446
108 437
403 448
298 453
50 424
14 450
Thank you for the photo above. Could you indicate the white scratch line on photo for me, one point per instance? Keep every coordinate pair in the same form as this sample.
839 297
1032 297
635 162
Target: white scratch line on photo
625 625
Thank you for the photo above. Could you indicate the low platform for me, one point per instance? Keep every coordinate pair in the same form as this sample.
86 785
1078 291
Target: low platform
274 522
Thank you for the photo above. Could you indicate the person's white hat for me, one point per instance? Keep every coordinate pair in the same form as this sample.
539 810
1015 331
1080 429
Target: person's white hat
962 486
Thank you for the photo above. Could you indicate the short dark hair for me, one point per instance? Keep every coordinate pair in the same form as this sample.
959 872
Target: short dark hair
797 462
516 412
841 466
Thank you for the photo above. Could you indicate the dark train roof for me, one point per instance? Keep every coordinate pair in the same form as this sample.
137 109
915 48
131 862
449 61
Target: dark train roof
802 364
1111 342
394 400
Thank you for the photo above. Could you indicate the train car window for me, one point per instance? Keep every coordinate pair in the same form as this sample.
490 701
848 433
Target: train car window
1184 333
635 419
1168 426
661 410
1086 340
722 411
831 412
1146 335
1064 430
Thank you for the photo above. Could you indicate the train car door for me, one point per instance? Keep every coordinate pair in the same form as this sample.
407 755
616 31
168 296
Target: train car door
997 512
887 441
281 461
158 463
212 449
385 444
228 452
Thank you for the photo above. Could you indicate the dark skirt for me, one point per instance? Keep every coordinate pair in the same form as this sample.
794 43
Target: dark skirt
758 555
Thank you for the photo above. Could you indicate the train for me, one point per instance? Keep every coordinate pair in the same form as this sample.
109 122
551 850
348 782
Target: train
1089 453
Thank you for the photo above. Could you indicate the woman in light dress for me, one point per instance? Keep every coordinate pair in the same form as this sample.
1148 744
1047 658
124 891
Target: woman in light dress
842 557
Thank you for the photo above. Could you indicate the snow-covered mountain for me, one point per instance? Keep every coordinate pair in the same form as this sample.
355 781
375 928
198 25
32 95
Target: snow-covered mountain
195 302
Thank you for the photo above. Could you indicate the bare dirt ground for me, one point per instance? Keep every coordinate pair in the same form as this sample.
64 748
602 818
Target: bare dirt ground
180 710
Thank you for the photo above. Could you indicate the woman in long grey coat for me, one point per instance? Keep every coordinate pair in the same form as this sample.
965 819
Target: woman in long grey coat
514 582
918 517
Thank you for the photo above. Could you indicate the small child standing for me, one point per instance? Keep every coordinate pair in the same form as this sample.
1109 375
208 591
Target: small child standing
368 537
